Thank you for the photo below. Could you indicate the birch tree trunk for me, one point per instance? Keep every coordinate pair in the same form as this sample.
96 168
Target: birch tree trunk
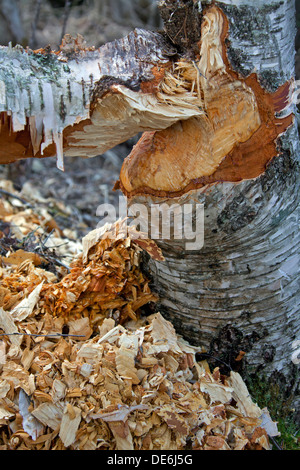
214 97
241 291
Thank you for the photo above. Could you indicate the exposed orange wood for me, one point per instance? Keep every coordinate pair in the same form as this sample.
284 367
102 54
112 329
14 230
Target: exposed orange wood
183 157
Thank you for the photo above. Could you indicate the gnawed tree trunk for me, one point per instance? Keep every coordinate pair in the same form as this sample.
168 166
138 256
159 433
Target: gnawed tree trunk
241 291
213 94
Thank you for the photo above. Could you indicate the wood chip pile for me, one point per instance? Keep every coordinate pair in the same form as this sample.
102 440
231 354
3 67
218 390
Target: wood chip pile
82 369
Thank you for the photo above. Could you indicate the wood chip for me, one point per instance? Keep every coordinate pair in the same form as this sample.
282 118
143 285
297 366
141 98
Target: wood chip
90 372
25 308
8 325
69 424
242 396
49 414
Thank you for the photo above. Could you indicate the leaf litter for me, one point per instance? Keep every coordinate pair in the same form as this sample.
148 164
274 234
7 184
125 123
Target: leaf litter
82 367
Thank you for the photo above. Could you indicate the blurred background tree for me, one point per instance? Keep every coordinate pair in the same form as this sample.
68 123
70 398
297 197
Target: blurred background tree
11 24
38 23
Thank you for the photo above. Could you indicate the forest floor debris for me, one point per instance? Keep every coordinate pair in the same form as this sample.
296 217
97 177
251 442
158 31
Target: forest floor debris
81 366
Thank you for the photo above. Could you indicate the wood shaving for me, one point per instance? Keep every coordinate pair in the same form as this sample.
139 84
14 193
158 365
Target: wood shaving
83 368
124 394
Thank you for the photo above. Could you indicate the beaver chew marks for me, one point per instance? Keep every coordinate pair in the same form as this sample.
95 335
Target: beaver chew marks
233 139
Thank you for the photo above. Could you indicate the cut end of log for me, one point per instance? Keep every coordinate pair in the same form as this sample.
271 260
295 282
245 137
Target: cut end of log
80 101
234 139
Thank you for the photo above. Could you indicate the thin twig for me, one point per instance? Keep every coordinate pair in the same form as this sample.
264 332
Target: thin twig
211 356
63 265
43 242
196 66
51 335
275 443
6 193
